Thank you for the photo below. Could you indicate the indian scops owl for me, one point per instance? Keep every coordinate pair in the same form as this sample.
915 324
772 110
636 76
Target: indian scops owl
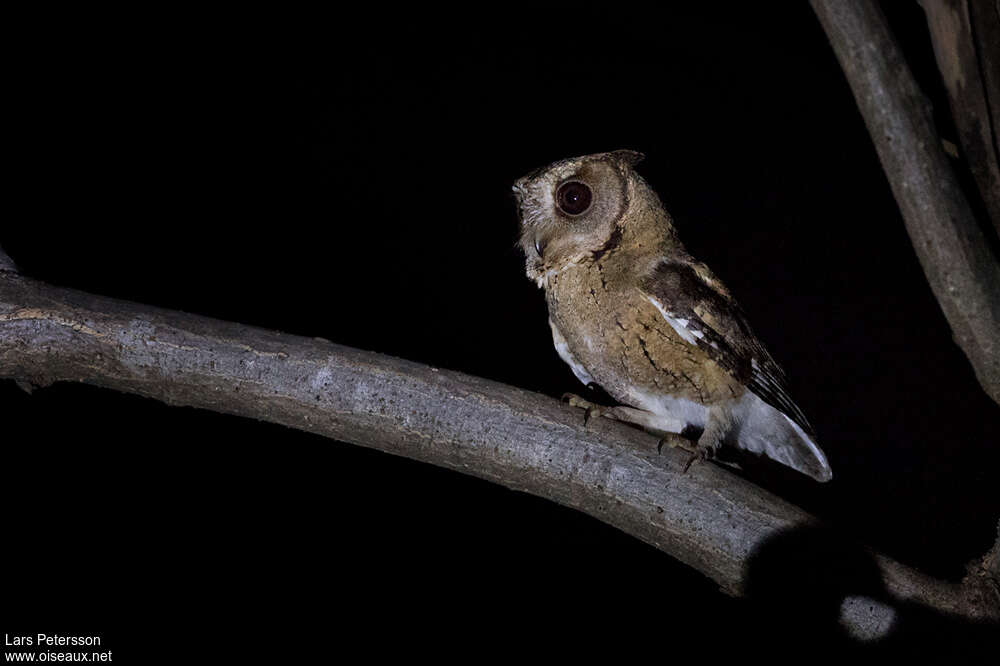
633 312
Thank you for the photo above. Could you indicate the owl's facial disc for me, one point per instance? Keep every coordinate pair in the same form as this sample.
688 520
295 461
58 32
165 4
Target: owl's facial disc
569 211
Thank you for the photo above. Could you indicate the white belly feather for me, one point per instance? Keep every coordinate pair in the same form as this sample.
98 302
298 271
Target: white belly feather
667 413
566 355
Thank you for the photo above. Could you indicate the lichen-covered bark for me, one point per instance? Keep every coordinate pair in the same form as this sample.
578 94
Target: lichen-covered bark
952 250
708 518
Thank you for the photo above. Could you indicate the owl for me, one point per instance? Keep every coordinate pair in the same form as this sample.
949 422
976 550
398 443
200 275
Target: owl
633 312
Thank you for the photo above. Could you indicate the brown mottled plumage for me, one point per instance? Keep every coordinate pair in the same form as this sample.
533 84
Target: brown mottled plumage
632 311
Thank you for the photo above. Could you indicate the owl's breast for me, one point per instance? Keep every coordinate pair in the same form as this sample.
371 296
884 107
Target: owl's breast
612 334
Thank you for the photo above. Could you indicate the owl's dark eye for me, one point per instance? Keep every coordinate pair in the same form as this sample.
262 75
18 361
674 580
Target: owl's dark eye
573 197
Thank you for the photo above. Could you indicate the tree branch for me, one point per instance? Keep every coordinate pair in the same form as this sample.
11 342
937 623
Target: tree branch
708 518
963 60
953 251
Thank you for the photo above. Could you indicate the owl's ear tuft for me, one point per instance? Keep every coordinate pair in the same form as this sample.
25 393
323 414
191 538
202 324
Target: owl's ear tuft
627 157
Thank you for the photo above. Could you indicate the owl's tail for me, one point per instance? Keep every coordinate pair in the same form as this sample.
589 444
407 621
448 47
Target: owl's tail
765 429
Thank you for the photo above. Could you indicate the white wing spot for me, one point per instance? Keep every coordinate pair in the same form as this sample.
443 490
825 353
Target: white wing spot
679 325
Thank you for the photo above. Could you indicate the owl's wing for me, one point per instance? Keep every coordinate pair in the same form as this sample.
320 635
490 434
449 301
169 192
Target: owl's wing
702 313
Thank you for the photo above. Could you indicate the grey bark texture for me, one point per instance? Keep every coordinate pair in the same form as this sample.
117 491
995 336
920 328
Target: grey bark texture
966 39
707 517
984 15
952 249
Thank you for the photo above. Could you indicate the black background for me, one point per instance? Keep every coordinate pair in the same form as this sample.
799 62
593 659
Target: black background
348 177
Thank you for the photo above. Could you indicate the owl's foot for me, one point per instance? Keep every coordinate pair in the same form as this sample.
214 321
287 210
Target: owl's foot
708 444
678 442
593 410
674 441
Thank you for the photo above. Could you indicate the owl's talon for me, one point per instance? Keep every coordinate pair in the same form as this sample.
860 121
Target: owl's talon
675 442
592 410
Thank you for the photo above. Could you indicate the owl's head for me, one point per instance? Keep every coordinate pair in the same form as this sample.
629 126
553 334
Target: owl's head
573 208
